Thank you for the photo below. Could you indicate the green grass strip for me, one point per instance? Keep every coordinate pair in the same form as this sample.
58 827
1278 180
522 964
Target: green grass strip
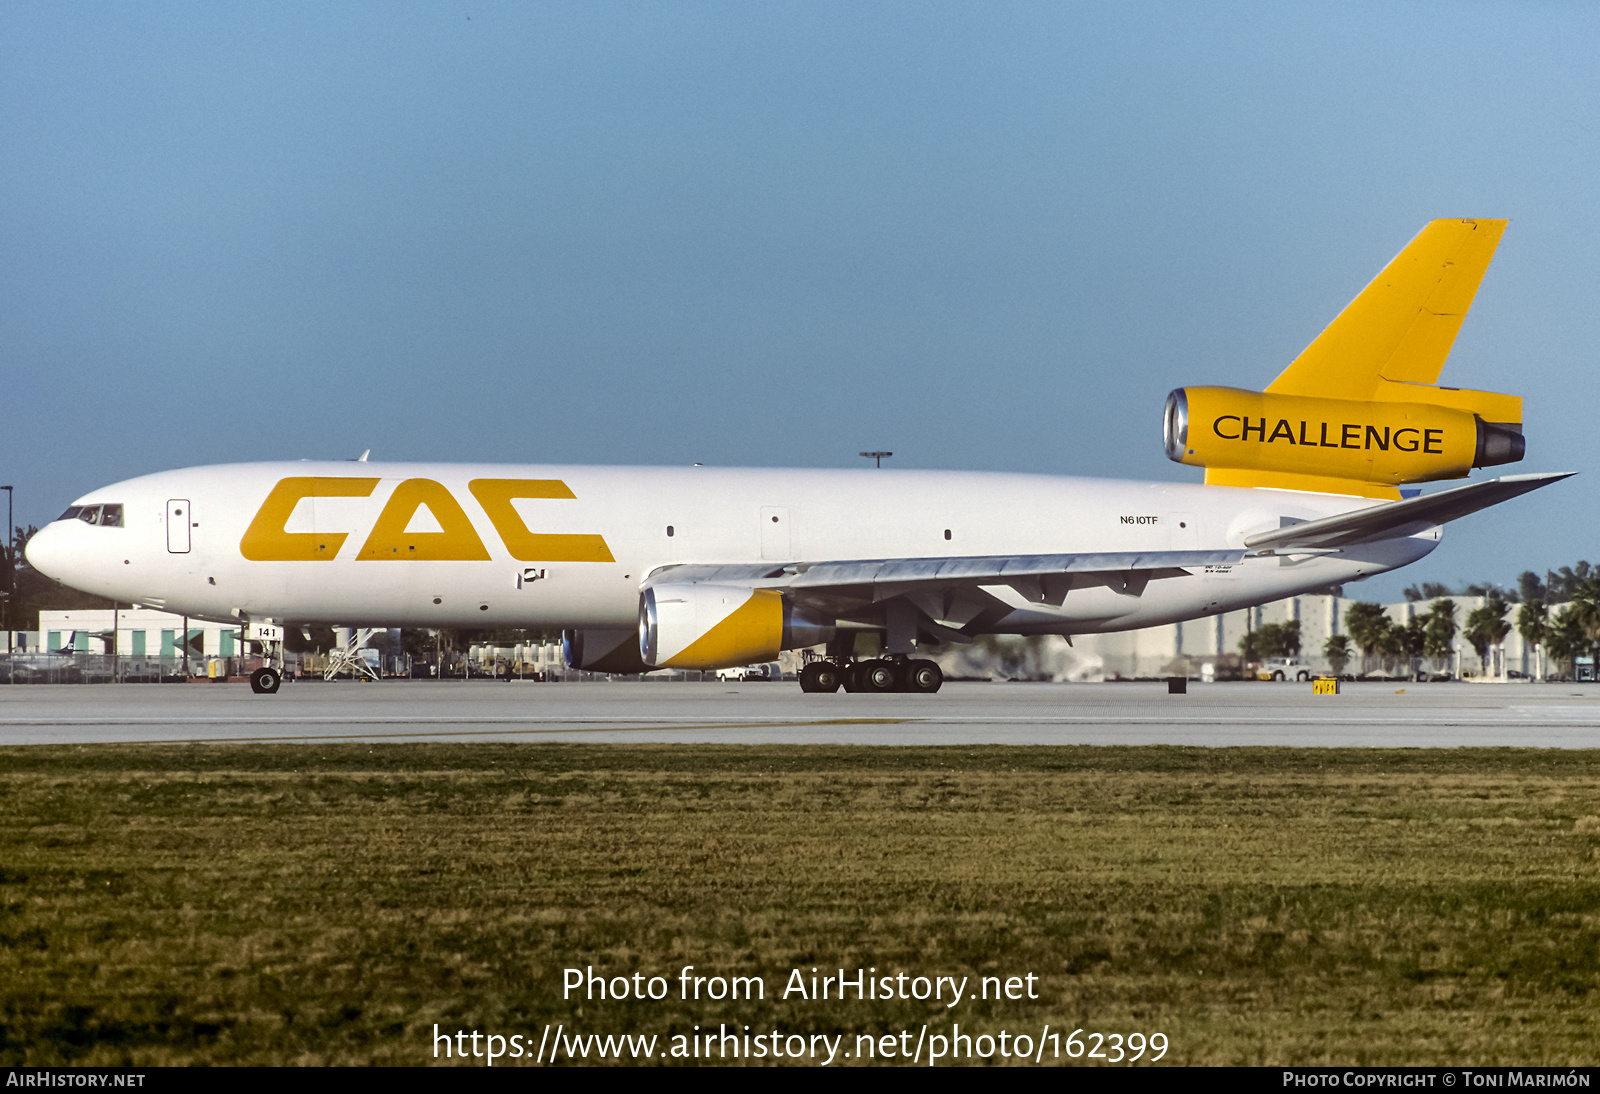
328 903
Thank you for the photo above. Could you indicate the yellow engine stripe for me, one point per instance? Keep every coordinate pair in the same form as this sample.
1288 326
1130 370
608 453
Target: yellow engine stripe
751 633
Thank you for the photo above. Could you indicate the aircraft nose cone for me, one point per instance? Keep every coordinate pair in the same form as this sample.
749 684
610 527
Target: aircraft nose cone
47 552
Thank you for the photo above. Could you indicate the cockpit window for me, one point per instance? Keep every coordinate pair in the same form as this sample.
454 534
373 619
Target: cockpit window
107 516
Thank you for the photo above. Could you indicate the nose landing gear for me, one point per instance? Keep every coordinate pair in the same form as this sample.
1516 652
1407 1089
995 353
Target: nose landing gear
878 675
269 635
265 681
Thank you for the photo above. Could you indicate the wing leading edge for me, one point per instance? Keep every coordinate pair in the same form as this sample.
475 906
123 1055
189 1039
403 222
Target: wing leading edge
949 599
962 570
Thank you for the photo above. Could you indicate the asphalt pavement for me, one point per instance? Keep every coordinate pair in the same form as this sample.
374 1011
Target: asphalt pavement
1212 715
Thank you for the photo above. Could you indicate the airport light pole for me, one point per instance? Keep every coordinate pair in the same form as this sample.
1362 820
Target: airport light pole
878 456
11 577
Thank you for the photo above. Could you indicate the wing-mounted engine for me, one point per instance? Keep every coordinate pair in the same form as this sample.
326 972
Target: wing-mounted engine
723 614
1359 411
705 626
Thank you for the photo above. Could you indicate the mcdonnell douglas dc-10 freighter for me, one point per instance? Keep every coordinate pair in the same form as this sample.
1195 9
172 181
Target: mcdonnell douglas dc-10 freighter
703 568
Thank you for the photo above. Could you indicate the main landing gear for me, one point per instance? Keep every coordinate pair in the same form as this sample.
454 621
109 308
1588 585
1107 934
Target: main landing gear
878 675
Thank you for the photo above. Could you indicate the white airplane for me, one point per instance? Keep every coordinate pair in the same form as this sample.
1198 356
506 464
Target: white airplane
708 568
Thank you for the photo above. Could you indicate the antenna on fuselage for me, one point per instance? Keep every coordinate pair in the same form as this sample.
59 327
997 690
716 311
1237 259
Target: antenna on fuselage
878 456
363 457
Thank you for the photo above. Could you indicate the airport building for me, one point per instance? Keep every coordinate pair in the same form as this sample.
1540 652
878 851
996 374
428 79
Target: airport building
131 632
1169 649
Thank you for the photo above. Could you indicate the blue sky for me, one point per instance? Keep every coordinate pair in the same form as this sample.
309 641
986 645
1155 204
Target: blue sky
982 236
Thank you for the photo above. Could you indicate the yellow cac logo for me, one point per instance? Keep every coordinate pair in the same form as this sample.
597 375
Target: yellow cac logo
456 541
496 496
267 540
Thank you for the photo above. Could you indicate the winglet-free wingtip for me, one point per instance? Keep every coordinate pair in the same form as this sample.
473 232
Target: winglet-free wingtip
1401 517
1552 476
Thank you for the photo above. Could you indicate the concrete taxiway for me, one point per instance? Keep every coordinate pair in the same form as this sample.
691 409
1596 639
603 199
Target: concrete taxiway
1210 715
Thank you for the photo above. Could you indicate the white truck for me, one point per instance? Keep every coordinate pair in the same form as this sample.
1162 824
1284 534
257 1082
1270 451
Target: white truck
1284 668
743 673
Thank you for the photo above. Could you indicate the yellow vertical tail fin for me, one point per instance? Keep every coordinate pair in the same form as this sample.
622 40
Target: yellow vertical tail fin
1403 324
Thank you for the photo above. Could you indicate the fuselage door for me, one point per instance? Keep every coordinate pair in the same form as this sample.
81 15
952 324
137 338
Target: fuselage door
178 520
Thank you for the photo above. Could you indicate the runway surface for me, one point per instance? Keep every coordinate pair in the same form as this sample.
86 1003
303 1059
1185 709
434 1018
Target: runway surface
1212 715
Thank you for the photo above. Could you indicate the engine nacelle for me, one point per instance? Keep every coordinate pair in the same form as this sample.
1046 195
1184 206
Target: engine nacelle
719 626
602 651
1385 441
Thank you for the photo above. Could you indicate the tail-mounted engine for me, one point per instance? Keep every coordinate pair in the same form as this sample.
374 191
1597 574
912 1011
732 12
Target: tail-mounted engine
1341 445
1359 411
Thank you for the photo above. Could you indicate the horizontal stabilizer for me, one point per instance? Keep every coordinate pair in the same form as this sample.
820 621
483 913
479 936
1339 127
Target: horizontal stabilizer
1398 518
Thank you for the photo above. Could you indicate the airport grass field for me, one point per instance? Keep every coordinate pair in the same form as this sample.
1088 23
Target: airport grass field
283 904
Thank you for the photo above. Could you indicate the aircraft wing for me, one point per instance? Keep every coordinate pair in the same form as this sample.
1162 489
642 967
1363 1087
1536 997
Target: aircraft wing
956 596
958 570
1397 518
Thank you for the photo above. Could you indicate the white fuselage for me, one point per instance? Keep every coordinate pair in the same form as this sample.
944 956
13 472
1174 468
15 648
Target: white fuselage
716 516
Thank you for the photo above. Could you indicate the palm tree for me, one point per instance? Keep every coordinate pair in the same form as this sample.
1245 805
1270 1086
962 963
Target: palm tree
1486 627
1565 639
1392 644
1367 624
1585 610
1414 637
1533 622
1441 632
1268 641
1337 650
